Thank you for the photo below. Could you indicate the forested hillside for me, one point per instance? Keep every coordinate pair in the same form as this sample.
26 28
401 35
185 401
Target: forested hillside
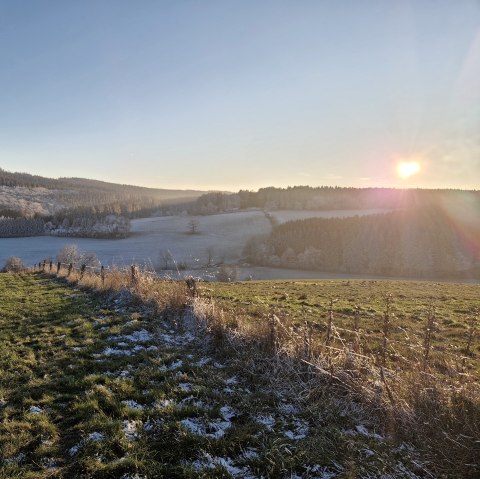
22 194
324 198
423 242
31 205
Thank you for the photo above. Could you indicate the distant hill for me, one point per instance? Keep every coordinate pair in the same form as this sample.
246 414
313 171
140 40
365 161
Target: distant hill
26 195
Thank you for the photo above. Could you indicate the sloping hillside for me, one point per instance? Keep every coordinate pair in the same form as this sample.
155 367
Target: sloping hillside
22 194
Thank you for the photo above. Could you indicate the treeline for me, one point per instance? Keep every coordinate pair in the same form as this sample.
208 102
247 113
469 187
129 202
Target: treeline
321 198
417 243
17 227
109 226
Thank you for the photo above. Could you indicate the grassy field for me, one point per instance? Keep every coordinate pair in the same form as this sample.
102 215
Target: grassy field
103 384
456 310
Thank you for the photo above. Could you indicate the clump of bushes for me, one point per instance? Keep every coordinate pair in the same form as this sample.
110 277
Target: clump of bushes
13 265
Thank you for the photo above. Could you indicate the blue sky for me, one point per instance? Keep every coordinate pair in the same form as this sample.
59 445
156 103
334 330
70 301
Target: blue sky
242 94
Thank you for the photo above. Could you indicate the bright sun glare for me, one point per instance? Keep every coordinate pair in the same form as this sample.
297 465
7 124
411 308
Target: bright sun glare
406 169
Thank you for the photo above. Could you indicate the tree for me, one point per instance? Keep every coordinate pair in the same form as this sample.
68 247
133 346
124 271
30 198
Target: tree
89 259
193 226
69 254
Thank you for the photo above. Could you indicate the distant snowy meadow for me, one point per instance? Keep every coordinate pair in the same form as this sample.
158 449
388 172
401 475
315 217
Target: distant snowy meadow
167 241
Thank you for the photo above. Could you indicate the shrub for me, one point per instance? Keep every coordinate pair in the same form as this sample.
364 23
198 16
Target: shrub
14 265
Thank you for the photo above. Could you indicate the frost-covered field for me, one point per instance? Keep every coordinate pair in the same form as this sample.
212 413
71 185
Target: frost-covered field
224 235
283 216
165 241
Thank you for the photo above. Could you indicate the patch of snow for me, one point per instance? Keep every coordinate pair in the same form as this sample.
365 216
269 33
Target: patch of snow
186 387
227 412
130 429
211 462
250 453
116 352
36 410
231 381
212 429
363 431
140 336
267 421
74 449
131 404
96 436
286 408
175 365
203 361
299 431
162 403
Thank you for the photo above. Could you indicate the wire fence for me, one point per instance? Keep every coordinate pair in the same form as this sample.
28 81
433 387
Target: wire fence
357 342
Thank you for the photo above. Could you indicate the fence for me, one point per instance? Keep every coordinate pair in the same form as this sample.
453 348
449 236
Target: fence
335 340
134 272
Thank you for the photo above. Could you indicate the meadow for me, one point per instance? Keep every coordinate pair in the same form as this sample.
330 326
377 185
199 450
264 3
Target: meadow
135 377
220 238
358 310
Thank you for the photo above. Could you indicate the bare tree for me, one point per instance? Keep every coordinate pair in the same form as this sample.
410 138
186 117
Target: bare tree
193 226
209 253
69 254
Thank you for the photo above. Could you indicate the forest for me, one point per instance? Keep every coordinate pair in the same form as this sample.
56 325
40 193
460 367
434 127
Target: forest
414 243
323 198
32 205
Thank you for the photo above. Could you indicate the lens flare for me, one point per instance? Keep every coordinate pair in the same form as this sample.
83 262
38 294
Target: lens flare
406 169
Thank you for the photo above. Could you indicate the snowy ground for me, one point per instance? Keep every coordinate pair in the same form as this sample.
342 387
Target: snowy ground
224 234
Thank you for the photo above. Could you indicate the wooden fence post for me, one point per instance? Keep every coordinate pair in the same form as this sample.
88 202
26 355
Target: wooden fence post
58 267
102 275
51 265
273 334
307 341
386 327
82 270
134 275
191 287
70 268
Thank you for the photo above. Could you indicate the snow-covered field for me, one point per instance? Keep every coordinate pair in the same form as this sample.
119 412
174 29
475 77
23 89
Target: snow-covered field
224 235
221 237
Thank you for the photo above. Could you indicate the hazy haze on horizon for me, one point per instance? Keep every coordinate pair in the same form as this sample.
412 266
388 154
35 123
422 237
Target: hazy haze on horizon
242 94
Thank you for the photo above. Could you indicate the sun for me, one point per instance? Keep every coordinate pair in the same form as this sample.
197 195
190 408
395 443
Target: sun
406 169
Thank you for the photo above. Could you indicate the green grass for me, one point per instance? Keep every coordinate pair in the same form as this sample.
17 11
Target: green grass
295 302
70 409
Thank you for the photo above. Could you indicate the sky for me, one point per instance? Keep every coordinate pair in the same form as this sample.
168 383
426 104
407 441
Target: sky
242 94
